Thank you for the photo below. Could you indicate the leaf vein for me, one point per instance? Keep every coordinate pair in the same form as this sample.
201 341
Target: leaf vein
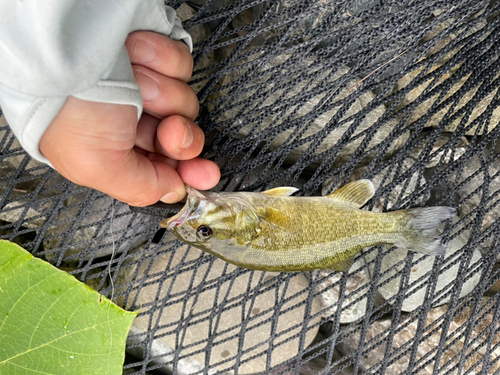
47 310
24 368
24 294
78 353
55 340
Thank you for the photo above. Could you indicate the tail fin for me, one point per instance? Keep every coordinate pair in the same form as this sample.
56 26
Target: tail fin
423 230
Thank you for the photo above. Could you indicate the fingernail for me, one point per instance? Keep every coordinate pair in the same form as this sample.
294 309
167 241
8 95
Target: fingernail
174 196
143 52
170 198
148 86
188 137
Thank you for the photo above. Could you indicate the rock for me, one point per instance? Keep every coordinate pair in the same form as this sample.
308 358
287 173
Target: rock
28 180
245 18
459 148
11 144
371 358
213 8
468 184
198 32
33 212
495 288
496 151
315 365
312 367
354 289
206 307
129 268
7 172
134 371
12 212
460 100
164 353
198 82
268 33
440 43
392 267
322 15
20 213
380 328
93 278
476 112
91 235
470 203
239 175
286 105
396 196
129 371
25 240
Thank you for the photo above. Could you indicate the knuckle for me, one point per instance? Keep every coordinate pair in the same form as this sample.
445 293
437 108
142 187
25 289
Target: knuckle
130 41
142 199
194 106
184 62
190 65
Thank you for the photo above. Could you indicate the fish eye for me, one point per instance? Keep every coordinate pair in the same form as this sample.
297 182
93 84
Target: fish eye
204 232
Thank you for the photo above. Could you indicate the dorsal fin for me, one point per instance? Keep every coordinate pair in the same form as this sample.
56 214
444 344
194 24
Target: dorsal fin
356 193
281 191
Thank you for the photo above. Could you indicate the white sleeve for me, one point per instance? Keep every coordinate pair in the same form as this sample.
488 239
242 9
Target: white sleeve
52 49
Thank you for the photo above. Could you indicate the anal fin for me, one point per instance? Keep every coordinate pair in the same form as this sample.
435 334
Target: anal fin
343 265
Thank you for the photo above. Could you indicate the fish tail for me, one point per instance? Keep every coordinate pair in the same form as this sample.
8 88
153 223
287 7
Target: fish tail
423 232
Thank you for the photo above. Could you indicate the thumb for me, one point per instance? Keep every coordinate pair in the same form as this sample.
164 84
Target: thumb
139 181
92 144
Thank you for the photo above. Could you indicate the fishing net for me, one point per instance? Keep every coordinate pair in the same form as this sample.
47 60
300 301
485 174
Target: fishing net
312 94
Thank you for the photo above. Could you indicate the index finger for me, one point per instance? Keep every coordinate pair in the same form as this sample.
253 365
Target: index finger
161 54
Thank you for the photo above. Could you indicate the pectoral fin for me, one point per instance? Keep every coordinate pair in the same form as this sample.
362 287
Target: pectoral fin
343 265
281 191
356 193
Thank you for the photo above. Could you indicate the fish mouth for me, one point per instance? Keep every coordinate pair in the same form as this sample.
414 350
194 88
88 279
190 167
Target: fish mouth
178 219
189 209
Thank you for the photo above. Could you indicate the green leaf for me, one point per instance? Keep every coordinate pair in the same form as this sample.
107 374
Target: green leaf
50 323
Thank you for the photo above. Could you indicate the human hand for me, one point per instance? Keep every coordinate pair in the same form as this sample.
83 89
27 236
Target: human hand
103 146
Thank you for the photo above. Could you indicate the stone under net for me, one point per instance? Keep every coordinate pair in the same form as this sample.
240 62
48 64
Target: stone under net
312 94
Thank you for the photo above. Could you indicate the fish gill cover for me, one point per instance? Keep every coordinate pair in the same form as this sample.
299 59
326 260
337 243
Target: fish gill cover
311 94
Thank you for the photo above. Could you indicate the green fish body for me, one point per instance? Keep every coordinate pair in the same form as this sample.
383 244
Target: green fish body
272 231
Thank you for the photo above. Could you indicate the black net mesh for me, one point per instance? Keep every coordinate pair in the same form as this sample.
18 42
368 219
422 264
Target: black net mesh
312 94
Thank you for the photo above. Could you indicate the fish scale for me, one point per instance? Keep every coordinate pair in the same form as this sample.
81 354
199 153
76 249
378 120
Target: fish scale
273 231
318 220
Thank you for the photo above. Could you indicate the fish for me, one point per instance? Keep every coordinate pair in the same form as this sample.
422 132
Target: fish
275 231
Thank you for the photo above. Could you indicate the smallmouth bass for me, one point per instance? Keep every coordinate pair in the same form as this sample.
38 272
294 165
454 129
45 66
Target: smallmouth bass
272 231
